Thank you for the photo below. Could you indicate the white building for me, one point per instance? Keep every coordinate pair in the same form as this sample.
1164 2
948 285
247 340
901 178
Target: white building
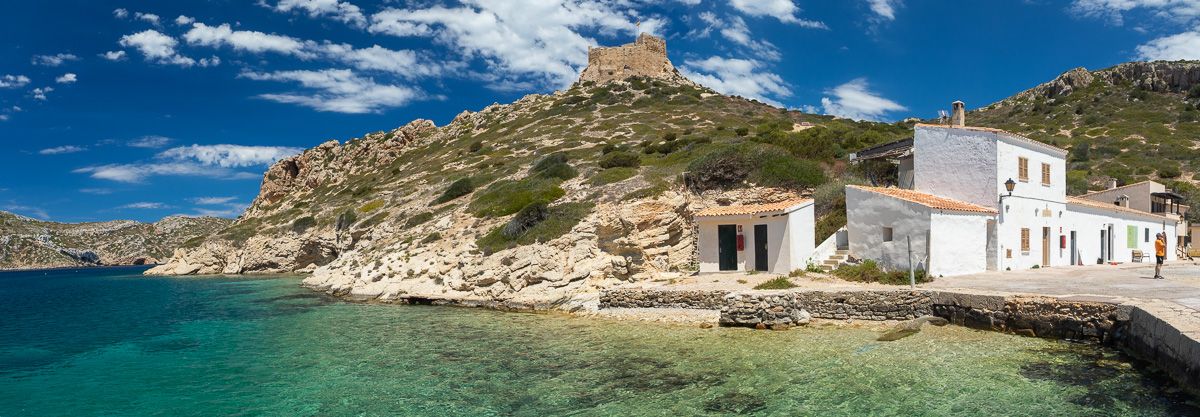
776 238
1034 225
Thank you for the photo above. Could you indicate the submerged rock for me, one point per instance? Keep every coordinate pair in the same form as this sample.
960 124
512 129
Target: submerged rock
911 327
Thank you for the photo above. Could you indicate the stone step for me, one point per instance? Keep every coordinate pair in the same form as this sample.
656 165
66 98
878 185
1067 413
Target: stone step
831 262
837 257
843 251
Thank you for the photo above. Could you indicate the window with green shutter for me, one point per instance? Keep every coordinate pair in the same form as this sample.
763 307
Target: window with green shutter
1132 236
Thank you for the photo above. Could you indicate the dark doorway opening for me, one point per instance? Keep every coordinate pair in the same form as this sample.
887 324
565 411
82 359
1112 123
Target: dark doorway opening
727 247
760 247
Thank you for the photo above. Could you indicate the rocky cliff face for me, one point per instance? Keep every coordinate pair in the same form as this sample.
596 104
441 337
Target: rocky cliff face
1158 76
28 243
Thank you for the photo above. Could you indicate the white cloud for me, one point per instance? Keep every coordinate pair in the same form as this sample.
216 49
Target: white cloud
147 17
341 11
230 156
150 141
502 34
1175 47
784 10
743 77
735 30
854 100
53 60
3 117
113 55
245 40
13 81
67 78
230 210
157 47
40 93
120 13
210 201
96 191
61 150
144 205
211 161
884 9
340 91
1178 11
184 20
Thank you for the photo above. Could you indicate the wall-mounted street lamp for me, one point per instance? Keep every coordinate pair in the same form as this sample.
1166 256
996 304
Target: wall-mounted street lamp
1008 185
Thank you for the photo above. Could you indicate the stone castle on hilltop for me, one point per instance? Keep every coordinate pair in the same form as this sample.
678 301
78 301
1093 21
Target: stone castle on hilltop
646 57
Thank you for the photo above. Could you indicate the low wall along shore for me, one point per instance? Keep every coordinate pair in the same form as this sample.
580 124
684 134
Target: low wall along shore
1153 331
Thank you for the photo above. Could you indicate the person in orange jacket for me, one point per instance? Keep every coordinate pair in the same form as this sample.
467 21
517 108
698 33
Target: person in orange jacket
1160 254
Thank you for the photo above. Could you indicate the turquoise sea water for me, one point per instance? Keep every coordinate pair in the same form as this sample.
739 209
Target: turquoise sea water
110 342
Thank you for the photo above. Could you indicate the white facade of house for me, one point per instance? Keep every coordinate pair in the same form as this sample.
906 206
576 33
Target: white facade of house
943 242
1036 226
790 237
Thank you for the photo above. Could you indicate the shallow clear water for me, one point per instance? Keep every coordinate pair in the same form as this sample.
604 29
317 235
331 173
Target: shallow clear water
110 342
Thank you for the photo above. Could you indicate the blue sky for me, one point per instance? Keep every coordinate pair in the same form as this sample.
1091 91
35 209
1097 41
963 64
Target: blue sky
142 109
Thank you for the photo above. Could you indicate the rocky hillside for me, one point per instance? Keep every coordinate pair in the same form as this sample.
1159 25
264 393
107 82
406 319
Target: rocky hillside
27 243
532 202
1132 122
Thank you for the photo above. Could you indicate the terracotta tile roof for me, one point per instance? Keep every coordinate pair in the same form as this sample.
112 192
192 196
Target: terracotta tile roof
927 200
751 208
1005 133
1112 207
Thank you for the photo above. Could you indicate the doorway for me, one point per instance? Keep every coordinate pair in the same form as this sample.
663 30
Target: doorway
760 247
1074 255
1045 247
727 247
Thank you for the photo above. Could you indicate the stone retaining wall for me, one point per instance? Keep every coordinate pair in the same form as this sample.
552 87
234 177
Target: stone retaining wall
653 298
1047 317
865 305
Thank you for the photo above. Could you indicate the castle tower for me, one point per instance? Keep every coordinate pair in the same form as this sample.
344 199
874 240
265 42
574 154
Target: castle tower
646 57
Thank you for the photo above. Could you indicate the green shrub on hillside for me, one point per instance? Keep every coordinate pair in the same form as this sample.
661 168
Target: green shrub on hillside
302 224
1194 92
611 175
370 206
475 146
418 219
620 159
558 221
507 197
345 220
525 219
554 166
1169 171
459 188
766 165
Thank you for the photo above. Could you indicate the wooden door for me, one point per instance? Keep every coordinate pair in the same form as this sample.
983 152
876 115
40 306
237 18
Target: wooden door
727 247
760 247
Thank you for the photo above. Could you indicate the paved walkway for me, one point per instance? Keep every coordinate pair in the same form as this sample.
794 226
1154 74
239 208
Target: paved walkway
1103 282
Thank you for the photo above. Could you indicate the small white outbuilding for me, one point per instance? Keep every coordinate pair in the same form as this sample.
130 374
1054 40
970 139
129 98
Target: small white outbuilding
946 236
776 238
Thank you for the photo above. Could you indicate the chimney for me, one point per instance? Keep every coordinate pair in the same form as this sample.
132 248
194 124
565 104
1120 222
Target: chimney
958 114
1123 201
1112 183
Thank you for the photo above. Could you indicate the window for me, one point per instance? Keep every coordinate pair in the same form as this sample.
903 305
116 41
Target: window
1023 169
887 234
1008 253
1045 174
1024 240
1147 235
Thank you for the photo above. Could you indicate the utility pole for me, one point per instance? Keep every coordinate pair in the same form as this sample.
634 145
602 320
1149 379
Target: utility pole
912 275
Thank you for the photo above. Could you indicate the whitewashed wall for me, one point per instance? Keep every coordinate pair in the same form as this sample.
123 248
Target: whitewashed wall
867 213
1008 153
1088 221
958 243
790 240
802 231
955 163
1018 213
